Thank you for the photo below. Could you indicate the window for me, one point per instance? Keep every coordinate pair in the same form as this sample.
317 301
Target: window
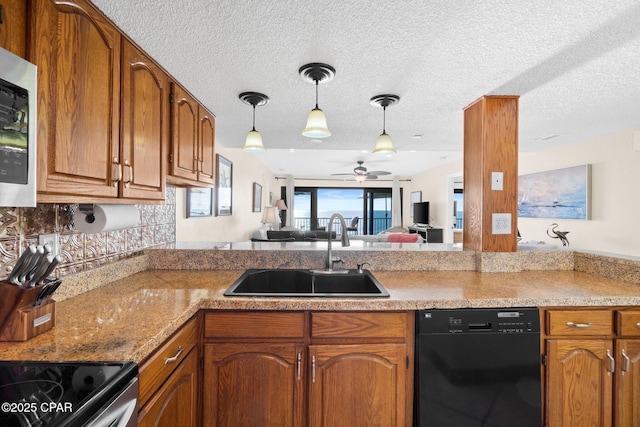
313 206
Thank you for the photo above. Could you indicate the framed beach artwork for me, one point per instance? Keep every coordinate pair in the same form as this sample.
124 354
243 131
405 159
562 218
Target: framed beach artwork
257 197
416 197
224 186
558 194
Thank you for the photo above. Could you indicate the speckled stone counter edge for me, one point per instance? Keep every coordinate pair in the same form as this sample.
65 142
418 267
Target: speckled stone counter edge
618 268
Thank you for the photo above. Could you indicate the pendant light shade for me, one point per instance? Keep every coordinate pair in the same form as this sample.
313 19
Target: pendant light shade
316 125
384 145
253 142
317 121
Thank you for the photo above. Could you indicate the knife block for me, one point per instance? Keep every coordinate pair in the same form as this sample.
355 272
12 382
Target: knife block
20 318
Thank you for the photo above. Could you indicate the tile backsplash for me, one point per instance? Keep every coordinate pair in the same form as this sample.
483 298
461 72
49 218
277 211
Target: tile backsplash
20 227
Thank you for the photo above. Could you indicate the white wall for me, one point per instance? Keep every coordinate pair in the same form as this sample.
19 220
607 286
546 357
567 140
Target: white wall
615 199
247 169
615 174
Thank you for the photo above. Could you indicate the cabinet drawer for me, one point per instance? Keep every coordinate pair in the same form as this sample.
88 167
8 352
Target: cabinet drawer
358 325
628 322
161 364
254 324
579 322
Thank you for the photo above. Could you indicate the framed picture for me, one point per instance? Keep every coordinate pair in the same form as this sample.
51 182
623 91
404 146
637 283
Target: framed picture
257 197
416 197
224 186
199 202
560 193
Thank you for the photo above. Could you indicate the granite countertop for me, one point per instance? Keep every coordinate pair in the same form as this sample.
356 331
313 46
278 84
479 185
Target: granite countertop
130 317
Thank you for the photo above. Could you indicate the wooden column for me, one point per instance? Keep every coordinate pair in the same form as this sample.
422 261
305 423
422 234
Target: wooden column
490 145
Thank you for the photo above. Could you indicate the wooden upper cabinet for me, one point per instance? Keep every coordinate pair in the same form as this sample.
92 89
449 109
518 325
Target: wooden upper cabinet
77 52
206 150
13 27
145 125
191 158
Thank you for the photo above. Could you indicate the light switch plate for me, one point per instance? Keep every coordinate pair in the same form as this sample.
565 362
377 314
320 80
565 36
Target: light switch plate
497 179
501 223
51 239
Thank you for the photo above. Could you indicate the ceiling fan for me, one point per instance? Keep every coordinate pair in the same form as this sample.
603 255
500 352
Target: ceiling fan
360 173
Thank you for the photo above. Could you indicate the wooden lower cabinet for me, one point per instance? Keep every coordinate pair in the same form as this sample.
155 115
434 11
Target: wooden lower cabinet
175 403
579 383
593 368
257 384
357 385
291 369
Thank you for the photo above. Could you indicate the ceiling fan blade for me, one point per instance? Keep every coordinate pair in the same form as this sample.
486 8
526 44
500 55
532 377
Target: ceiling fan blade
370 176
346 174
379 173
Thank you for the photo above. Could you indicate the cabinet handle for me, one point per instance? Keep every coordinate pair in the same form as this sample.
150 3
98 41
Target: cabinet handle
116 172
129 178
175 357
612 363
579 325
627 363
313 369
638 325
298 365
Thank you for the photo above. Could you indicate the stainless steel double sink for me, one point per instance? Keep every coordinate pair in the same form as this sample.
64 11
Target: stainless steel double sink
306 283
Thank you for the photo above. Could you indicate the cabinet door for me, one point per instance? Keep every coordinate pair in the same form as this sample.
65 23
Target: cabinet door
183 161
145 125
627 396
579 382
176 402
256 384
357 385
206 146
77 52
13 28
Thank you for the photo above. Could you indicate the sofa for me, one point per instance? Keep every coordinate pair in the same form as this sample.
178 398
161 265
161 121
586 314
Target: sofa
292 235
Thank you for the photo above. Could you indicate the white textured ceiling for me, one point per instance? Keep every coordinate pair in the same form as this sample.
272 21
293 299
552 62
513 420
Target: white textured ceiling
574 63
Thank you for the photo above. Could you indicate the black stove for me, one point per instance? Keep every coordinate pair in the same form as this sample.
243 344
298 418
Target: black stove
54 394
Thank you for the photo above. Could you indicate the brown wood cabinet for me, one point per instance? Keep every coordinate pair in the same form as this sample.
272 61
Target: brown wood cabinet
593 369
145 125
91 81
344 368
13 27
191 158
170 381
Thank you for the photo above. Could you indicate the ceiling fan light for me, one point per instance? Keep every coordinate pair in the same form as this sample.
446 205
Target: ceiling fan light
253 142
360 178
384 145
316 125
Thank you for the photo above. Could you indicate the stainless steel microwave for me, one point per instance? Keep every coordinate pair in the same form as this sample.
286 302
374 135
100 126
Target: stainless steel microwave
18 123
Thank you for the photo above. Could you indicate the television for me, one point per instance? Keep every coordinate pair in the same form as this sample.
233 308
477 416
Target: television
421 213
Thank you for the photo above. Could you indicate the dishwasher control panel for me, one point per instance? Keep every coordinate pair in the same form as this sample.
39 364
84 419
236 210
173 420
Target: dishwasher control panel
478 321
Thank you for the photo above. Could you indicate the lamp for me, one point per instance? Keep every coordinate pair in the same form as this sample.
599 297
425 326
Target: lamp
384 144
253 141
317 73
270 216
281 205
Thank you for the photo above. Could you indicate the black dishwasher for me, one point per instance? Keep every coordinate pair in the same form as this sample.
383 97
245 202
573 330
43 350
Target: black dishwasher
478 368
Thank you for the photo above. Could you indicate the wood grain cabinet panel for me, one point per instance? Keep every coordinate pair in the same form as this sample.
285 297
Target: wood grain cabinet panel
579 382
13 28
175 402
145 125
77 52
593 371
253 384
192 153
283 369
357 385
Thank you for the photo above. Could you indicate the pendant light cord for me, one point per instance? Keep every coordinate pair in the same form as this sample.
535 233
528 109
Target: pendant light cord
254 118
317 95
384 119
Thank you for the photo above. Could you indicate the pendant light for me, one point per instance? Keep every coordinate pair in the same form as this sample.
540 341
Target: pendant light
254 140
317 73
384 145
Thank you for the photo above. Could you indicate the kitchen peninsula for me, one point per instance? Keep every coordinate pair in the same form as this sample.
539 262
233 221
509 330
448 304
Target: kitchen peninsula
164 297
